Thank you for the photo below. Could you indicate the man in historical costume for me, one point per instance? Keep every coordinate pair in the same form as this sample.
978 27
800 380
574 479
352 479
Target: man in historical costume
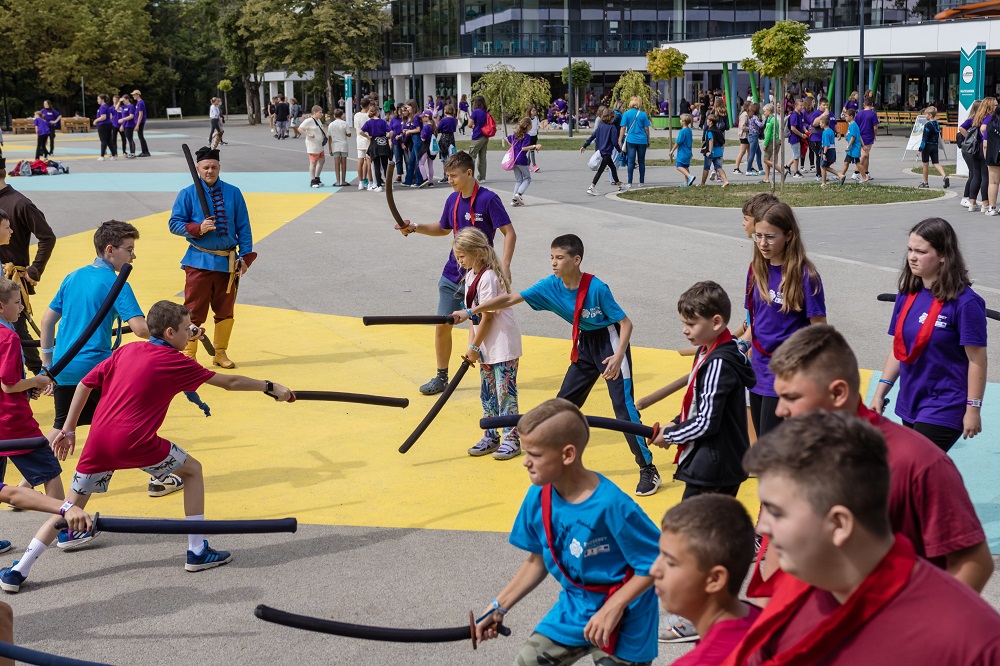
25 221
220 250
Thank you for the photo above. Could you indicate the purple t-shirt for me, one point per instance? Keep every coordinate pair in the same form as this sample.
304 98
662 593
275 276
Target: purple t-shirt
851 104
129 110
987 119
396 127
520 154
426 132
771 327
796 120
816 133
478 117
50 115
867 120
490 216
140 106
447 125
561 104
463 106
375 127
41 126
105 110
934 388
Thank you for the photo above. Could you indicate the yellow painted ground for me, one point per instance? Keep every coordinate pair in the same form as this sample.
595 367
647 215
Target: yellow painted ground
334 463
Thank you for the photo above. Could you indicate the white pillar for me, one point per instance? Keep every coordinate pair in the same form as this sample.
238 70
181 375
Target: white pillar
399 88
463 85
430 88
263 101
273 89
289 90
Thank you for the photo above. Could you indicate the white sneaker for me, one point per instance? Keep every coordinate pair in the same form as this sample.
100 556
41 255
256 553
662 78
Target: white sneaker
113 158
379 189
100 159
361 185
592 191
974 208
856 176
965 202
993 211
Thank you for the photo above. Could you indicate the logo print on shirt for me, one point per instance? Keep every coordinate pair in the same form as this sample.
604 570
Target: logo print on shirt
776 298
942 320
575 549
591 313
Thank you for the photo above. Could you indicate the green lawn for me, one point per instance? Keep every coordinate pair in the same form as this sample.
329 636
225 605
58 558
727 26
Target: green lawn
564 142
949 169
794 195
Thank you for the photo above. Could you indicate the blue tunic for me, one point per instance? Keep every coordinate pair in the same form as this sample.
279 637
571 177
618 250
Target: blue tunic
232 225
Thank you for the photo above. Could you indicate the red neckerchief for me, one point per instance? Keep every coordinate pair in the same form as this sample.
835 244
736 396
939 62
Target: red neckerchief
880 587
472 210
581 295
606 590
923 335
759 588
470 293
699 360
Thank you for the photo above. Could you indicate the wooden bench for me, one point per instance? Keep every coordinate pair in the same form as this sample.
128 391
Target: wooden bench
949 133
72 125
23 125
174 111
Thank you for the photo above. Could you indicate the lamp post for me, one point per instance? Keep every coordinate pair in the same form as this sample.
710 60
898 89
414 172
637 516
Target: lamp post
862 75
413 85
569 74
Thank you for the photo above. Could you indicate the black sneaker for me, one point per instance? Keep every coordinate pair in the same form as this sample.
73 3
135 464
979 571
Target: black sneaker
947 183
434 386
649 481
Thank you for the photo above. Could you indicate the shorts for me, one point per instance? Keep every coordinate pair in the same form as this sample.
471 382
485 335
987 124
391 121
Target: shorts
866 149
362 144
683 165
98 482
63 398
745 142
713 162
540 649
339 153
929 154
315 157
451 296
38 467
829 158
850 159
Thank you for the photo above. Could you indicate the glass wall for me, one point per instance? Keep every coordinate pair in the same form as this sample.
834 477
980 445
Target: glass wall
443 28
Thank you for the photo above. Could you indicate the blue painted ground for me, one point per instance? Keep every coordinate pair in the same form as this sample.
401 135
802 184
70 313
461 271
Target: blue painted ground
75 149
978 459
279 182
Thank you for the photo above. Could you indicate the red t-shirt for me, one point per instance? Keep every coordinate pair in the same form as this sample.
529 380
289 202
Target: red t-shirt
928 502
935 620
720 640
16 419
137 384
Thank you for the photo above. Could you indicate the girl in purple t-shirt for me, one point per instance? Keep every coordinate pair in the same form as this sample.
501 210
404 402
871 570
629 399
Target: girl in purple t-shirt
463 113
939 340
42 130
426 162
446 137
127 121
784 294
104 121
521 144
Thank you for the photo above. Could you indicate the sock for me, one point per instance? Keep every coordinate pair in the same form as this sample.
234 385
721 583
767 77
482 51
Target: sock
35 549
196 542
443 374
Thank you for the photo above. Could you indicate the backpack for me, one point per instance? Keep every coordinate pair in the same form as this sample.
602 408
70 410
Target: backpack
435 147
22 168
972 143
489 129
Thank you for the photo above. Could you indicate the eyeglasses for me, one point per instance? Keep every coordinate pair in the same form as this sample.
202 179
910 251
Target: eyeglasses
766 239
130 250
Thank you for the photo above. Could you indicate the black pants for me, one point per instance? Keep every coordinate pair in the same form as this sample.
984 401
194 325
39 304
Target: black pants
52 140
594 347
31 356
691 490
762 408
606 163
533 140
968 181
106 133
979 179
942 436
142 139
216 127
816 154
380 164
40 150
129 136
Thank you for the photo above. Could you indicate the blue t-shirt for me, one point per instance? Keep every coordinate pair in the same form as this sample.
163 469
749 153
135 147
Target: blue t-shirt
636 121
490 216
79 298
854 149
933 389
685 140
599 307
596 541
829 138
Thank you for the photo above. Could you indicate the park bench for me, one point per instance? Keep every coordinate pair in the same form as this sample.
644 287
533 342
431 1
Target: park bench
23 126
174 111
72 125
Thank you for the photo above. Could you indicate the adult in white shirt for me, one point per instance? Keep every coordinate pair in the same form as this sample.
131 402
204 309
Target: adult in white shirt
338 131
312 129
364 165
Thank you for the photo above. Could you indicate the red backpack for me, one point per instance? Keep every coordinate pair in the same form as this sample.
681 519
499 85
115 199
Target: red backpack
489 129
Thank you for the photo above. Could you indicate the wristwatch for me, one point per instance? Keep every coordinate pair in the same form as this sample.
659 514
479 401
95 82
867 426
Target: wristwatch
269 388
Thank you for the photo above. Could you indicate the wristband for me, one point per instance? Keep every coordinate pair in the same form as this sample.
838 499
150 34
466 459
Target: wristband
65 507
269 388
496 607
972 402
469 311
887 382
67 434
47 351
476 349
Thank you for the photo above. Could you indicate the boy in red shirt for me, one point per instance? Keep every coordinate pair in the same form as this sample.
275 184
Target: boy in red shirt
849 591
705 549
137 383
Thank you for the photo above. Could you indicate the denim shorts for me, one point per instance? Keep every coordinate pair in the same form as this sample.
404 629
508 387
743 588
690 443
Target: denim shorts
451 296
713 161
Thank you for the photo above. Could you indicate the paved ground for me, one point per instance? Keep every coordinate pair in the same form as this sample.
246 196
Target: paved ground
385 539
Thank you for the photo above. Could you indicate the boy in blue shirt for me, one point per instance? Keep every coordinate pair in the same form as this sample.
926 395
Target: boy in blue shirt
929 146
684 148
592 538
601 334
829 140
711 147
853 146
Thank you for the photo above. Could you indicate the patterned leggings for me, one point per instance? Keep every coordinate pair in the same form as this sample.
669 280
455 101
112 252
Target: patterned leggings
498 391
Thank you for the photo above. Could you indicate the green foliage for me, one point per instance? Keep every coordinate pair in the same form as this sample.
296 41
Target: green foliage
225 85
582 74
510 93
633 84
778 49
810 71
665 64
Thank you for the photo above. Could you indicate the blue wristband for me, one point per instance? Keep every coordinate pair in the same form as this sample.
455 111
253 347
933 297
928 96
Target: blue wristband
496 607
887 382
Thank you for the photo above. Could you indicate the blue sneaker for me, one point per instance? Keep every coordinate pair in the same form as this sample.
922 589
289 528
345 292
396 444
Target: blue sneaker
5 546
10 580
71 540
209 559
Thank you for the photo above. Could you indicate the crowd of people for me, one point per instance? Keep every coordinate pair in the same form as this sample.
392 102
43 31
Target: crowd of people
121 118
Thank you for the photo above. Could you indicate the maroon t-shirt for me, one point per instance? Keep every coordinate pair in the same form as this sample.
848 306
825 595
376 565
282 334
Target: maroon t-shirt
720 640
16 419
928 502
935 619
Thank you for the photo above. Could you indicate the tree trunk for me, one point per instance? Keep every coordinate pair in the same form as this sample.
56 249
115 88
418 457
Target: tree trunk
225 97
779 96
328 85
670 111
253 100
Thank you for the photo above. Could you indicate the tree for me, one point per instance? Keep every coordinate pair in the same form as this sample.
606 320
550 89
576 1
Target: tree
777 51
667 65
633 84
226 86
811 71
511 92
582 76
240 57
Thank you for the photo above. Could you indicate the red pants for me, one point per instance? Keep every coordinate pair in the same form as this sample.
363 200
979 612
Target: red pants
203 288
